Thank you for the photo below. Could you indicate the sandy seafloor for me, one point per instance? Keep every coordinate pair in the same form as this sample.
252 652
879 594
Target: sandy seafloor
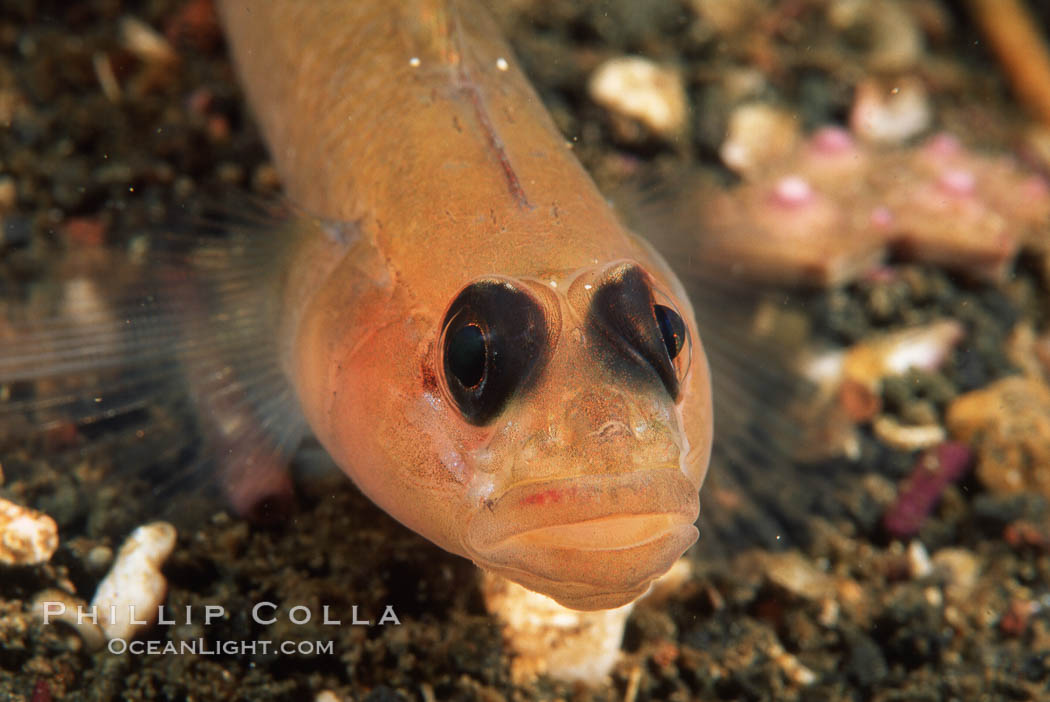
78 166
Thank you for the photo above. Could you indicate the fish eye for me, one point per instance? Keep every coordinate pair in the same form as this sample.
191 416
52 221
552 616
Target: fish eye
466 355
624 310
672 328
494 337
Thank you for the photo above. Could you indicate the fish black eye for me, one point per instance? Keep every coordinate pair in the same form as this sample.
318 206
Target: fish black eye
494 337
672 328
466 355
645 334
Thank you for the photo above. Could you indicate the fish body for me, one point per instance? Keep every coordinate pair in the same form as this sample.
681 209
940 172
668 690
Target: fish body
449 305
450 211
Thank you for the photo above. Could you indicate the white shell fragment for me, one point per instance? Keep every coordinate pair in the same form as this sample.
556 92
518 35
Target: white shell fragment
550 639
145 42
908 438
642 90
866 364
27 537
129 596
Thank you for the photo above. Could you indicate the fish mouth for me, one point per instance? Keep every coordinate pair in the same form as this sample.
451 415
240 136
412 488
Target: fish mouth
589 542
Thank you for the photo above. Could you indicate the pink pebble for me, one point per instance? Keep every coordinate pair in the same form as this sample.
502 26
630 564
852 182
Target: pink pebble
1036 187
793 191
943 144
958 182
881 274
882 217
832 140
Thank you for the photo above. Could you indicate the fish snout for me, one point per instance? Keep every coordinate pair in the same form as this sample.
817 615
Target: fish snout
605 431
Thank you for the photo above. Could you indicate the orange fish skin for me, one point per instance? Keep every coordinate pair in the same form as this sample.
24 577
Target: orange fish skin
425 163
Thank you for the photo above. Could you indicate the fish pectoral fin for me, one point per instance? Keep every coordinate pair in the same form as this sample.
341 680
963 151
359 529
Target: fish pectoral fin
159 360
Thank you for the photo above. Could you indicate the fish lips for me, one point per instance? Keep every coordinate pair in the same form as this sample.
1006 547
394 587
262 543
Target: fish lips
589 542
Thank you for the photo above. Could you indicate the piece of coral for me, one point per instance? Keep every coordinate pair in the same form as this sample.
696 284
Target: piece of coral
837 207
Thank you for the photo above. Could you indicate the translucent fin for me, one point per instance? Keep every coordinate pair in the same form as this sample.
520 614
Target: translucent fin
759 492
170 343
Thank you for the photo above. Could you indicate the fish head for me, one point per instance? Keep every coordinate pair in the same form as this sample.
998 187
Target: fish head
553 428
592 392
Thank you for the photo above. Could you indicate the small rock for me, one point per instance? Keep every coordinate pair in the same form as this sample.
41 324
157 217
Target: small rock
793 572
196 24
959 568
642 90
8 195
135 581
891 113
758 136
1008 422
791 666
1015 619
27 537
919 564
327 696
1022 349
727 17
890 30
145 42
98 558
865 662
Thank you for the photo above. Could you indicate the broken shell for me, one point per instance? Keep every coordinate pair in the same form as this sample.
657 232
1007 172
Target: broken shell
27 537
54 605
867 363
134 588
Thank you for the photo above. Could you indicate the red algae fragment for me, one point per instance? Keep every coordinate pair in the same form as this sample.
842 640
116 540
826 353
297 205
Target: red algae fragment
195 25
921 491
86 231
1015 619
41 691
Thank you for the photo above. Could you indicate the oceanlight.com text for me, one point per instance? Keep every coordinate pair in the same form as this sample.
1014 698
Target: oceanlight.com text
203 647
